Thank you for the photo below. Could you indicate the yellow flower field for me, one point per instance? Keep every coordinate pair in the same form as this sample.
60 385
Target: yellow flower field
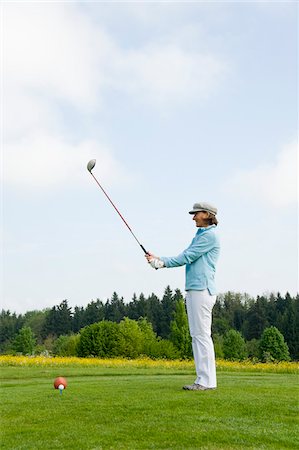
41 361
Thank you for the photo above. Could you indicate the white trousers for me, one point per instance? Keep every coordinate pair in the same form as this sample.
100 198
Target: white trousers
199 310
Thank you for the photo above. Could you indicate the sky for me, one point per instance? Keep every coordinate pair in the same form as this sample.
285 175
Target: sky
179 102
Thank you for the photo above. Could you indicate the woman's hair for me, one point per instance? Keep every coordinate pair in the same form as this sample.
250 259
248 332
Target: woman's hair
211 220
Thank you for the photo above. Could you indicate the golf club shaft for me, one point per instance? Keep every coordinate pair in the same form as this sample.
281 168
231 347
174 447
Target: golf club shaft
103 190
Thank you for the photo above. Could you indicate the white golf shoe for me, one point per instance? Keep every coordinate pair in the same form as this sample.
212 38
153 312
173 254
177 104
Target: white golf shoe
197 387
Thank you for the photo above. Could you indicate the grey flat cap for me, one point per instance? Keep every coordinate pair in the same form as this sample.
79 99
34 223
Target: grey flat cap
202 206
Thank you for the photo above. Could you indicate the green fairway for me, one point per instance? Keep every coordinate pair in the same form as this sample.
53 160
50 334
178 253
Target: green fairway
145 408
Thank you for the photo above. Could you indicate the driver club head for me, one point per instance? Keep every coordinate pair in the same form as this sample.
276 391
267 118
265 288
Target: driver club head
91 165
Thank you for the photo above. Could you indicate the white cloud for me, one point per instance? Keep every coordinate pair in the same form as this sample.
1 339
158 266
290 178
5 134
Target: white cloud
42 161
24 112
52 55
56 56
274 183
163 74
53 50
59 53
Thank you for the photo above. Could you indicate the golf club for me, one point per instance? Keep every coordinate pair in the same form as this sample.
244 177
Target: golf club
90 166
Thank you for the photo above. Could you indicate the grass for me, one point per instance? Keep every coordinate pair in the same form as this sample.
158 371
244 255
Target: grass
135 405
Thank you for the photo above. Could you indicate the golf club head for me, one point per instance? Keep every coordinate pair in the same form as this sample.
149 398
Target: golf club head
91 164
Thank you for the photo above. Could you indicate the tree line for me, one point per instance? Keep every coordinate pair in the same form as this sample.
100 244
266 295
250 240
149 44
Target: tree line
247 316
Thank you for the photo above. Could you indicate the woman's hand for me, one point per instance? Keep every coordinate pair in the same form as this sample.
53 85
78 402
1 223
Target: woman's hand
150 257
154 261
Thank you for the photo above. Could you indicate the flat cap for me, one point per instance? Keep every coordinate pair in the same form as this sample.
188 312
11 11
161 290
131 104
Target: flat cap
203 206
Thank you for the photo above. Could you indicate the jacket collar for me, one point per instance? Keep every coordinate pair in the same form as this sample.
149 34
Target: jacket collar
201 229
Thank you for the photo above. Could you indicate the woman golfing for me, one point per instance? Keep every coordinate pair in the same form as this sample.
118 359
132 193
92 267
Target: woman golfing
200 259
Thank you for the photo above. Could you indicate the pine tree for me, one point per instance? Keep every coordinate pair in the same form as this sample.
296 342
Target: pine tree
180 334
115 309
58 320
256 320
290 326
94 312
132 308
64 318
78 318
154 313
168 309
35 320
10 324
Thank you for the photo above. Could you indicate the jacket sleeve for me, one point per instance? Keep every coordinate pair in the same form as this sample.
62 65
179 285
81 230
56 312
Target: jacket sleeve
198 247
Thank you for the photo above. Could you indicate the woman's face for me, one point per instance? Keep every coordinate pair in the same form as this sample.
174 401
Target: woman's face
201 218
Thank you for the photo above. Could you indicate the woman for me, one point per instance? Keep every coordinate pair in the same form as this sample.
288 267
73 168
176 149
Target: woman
200 259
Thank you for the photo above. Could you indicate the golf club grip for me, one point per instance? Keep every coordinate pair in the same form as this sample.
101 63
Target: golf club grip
147 253
143 249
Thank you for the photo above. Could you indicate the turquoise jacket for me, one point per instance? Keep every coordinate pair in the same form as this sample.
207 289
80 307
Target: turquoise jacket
200 259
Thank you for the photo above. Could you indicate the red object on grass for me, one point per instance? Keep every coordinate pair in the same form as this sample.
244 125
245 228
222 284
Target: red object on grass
58 381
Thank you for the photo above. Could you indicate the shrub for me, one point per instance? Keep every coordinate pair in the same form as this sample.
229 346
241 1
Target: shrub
41 350
49 343
218 345
253 349
273 346
234 346
7 348
220 326
131 339
99 339
66 345
128 338
162 348
149 336
25 341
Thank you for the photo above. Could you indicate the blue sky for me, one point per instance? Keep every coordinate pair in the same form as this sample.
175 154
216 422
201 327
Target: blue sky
178 103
